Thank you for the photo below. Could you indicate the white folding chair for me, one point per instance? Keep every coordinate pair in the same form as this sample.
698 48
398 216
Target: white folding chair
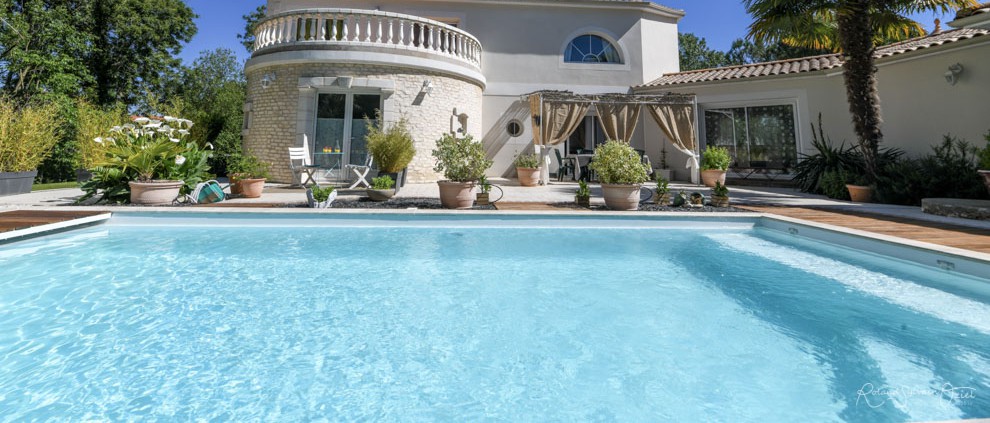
300 163
361 172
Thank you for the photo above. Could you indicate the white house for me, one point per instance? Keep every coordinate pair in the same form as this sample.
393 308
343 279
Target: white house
449 66
929 87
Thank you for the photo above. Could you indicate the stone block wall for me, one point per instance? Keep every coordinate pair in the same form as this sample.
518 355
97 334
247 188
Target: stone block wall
281 113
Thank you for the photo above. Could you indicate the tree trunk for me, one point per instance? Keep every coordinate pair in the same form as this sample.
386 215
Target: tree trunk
856 39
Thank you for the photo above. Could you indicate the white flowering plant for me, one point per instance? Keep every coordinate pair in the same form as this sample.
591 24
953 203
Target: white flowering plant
147 149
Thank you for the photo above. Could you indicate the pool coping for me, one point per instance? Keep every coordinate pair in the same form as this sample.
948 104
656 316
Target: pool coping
49 228
884 240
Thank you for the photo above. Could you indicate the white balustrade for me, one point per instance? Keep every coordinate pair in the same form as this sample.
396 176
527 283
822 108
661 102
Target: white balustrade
366 27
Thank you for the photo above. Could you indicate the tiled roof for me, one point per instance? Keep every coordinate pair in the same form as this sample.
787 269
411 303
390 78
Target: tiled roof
813 63
965 13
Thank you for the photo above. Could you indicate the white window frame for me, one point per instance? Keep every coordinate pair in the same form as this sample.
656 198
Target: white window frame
617 43
791 101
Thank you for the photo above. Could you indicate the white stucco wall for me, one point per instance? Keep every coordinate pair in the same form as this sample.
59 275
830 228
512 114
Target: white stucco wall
918 106
524 44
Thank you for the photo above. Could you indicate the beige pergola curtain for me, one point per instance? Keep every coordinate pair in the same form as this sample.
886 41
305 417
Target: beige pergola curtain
618 120
677 122
556 120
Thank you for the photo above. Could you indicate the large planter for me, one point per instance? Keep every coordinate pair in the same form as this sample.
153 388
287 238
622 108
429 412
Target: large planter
667 174
380 194
155 193
250 188
528 177
621 197
13 183
457 195
860 193
708 177
986 178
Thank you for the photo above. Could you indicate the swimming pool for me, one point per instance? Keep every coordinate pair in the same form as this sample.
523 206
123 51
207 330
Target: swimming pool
401 318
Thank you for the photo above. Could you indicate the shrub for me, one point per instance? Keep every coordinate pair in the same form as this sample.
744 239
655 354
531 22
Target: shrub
382 182
483 185
93 122
460 159
985 154
527 161
392 147
812 168
949 171
663 185
27 135
720 190
833 182
248 166
583 191
618 163
715 158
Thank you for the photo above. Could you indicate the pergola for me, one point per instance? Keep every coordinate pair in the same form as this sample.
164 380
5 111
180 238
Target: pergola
557 114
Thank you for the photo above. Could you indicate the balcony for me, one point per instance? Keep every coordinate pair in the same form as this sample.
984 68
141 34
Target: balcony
366 36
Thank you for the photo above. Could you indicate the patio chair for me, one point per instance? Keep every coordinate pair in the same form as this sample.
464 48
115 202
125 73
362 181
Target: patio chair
646 161
562 168
301 165
361 172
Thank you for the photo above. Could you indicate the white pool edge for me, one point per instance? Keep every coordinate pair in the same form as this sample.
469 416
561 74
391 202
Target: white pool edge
34 231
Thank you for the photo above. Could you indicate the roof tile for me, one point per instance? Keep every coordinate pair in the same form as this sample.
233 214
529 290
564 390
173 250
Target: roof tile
813 63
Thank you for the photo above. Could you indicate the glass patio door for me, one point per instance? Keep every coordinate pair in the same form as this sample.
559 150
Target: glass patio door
341 129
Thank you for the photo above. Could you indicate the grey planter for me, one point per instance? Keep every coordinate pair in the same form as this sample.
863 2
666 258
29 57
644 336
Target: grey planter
13 183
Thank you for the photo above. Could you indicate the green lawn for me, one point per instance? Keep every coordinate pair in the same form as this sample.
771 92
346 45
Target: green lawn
55 185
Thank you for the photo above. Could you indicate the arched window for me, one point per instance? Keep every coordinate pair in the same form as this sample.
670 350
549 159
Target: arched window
590 48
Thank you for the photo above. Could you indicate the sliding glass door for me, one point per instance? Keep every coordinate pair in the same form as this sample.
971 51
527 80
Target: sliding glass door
341 128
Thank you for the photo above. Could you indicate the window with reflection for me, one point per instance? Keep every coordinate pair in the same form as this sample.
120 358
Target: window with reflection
590 48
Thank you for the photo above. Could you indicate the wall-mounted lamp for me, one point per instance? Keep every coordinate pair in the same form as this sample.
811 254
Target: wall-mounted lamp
427 87
952 75
267 80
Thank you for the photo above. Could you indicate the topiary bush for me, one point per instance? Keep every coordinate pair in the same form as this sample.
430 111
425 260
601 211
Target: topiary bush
618 163
460 159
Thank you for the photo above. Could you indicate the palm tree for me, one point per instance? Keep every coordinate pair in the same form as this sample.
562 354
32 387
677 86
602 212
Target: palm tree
854 27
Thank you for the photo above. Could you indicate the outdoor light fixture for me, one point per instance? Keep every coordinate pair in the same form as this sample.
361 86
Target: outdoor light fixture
427 87
267 80
952 75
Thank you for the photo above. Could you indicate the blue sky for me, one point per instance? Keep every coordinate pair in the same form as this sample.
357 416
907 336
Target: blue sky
718 21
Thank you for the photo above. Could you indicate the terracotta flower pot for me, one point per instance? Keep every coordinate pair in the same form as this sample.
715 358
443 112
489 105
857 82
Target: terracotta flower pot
860 194
155 193
708 177
621 197
986 178
251 188
457 195
528 177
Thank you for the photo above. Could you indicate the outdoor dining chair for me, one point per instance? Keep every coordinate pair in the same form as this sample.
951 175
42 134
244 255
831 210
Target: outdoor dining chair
361 172
564 168
302 168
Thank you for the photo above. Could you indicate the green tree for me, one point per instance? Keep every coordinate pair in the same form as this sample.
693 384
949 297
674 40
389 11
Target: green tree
134 46
744 51
854 27
212 92
695 54
42 44
250 21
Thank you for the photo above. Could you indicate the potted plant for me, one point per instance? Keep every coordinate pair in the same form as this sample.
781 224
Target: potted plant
984 165
860 190
583 195
622 174
147 162
484 189
321 198
697 199
662 196
528 169
27 137
381 188
248 175
462 162
391 147
714 164
720 195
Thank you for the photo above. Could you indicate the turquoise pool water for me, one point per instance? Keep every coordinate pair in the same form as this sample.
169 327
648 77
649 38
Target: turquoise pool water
176 322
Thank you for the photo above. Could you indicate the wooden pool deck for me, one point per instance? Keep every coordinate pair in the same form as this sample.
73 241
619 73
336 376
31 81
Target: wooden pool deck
25 219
